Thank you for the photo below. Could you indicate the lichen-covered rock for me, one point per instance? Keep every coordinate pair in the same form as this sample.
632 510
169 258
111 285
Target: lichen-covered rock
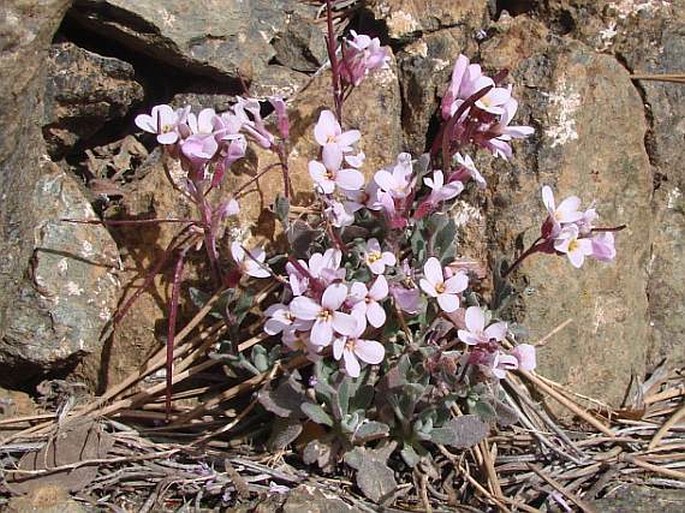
228 39
407 18
590 142
71 290
83 92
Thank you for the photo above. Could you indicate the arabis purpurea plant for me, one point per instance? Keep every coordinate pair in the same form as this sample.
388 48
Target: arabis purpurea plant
377 298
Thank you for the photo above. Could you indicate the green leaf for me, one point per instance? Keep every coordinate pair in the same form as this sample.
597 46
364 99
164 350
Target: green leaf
460 433
484 410
363 398
409 455
316 414
443 241
260 358
343 396
283 433
370 430
376 480
282 209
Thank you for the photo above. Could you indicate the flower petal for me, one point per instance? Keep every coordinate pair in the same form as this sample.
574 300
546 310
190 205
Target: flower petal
432 270
369 351
474 319
448 302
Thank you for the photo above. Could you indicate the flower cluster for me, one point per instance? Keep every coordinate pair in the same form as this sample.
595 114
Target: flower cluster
479 110
327 311
208 143
486 351
361 55
568 230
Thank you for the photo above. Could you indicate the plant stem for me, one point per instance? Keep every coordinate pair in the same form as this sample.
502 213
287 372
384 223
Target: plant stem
534 248
335 63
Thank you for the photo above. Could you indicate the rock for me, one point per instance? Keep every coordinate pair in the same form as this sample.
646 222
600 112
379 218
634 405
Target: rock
15 404
143 328
54 317
231 39
407 18
570 91
425 67
642 499
47 499
83 92
71 290
303 498
647 37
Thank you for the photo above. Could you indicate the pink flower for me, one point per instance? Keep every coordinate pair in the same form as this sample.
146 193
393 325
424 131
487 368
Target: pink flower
329 134
398 182
566 212
575 248
406 298
164 122
339 214
323 267
352 349
377 259
466 164
440 191
282 121
502 363
328 174
326 316
367 301
603 248
525 355
476 332
445 290
250 264
281 319
361 56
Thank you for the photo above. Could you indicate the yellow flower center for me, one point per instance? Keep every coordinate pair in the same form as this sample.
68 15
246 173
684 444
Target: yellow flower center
440 287
374 256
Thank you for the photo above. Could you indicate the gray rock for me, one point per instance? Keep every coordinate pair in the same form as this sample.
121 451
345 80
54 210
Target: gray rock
633 498
71 290
83 92
25 33
228 39
425 67
407 19
590 142
648 37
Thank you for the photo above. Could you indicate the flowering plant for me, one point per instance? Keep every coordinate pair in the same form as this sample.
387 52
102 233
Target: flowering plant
379 299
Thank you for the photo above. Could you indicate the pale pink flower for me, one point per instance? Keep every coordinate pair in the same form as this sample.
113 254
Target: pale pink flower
367 301
466 163
376 258
164 122
328 175
327 317
321 266
575 248
329 134
340 214
603 248
525 355
566 212
250 264
397 182
301 341
502 363
281 319
445 290
406 298
282 121
352 349
361 56
440 191
476 332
